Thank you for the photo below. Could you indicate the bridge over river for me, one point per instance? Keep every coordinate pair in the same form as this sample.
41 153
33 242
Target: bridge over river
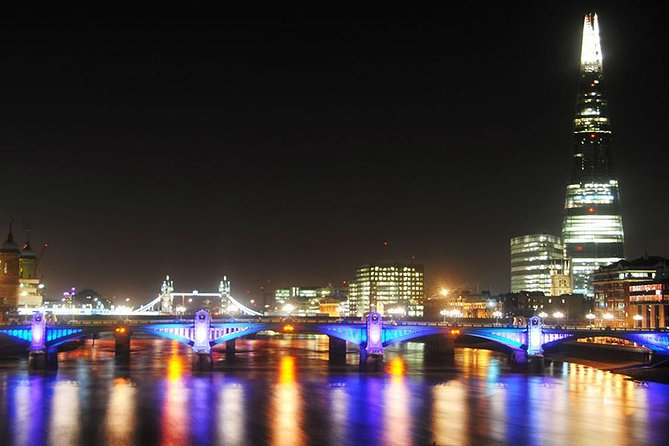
202 333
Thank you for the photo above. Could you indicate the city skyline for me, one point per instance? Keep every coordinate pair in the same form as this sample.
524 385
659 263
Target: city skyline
288 150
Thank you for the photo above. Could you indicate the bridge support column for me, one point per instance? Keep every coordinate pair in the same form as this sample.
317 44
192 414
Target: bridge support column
39 356
439 349
441 344
202 358
203 362
230 350
122 336
534 357
371 352
337 351
370 362
43 360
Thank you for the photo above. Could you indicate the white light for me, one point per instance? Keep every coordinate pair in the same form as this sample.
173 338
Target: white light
590 316
542 314
558 315
591 51
607 316
637 317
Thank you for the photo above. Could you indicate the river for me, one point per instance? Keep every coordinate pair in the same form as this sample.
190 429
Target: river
281 391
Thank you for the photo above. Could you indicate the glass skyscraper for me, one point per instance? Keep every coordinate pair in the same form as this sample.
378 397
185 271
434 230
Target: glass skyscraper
592 228
535 258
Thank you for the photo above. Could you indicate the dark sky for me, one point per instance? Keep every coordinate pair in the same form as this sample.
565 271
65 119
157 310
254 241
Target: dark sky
284 150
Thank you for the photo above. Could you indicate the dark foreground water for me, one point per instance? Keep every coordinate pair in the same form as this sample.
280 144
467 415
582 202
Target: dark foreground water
281 391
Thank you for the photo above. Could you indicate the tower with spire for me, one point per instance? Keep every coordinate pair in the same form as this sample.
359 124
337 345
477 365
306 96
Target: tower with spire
592 227
9 272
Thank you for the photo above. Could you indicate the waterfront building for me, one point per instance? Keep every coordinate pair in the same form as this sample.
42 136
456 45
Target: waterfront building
538 263
649 301
303 300
613 288
566 308
9 273
592 228
394 289
457 304
30 288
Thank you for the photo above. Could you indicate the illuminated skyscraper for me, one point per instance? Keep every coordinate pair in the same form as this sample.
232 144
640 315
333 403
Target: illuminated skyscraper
592 228
535 261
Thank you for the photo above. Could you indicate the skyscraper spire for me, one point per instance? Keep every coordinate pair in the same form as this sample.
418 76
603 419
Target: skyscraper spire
591 49
592 228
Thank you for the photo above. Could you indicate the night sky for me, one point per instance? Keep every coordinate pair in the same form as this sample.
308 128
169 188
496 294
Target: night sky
285 149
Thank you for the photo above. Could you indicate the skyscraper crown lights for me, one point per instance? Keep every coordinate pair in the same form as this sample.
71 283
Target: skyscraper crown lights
591 50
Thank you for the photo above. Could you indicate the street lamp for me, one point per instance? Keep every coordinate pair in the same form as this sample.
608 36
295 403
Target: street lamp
444 313
558 315
543 315
591 318
638 318
607 316
497 314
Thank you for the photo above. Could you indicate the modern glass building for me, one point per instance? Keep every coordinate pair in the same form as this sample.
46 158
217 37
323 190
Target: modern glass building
535 258
592 228
394 289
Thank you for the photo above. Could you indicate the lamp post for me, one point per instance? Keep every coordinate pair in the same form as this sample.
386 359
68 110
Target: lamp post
558 315
497 314
608 317
638 318
444 313
591 319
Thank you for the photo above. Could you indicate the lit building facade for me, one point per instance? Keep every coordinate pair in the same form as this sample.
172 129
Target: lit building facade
592 228
536 260
30 288
614 285
392 289
649 301
304 300
9 273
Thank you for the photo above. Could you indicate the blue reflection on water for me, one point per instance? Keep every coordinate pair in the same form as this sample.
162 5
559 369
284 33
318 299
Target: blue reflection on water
290 398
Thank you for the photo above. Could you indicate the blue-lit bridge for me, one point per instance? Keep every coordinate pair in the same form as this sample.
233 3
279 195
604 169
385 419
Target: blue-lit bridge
525 344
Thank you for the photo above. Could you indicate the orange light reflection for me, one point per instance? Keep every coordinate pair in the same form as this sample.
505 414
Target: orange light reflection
173 423
287 407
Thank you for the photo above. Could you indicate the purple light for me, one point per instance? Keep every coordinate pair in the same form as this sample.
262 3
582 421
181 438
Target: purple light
38 332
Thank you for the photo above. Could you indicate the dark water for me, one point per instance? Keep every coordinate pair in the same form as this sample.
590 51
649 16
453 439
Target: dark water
281 391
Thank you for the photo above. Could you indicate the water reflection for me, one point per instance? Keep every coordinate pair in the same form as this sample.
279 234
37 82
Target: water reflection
120 419
287 407
174 420
396 402
285 394
231 414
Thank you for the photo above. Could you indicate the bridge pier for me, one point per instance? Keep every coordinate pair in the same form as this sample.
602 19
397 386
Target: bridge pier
122 336
230 350
40 357
203 362
43 360
370 362
441 344
337 351
371 351
202 354
439 350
